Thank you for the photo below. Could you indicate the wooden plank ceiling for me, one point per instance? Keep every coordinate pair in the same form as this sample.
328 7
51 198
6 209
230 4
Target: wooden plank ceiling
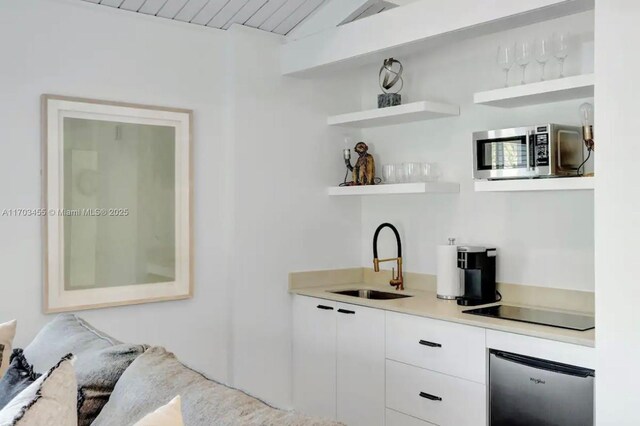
278 16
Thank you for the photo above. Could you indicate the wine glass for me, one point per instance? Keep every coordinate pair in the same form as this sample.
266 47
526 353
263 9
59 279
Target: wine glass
505 60
561 49
523 56
543 53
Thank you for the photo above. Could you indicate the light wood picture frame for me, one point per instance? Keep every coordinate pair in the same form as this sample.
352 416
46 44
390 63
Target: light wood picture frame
117 203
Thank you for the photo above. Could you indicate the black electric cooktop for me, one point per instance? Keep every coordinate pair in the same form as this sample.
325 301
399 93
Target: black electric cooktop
537 316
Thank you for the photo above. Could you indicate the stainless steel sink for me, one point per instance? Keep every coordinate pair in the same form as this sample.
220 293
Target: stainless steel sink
372 294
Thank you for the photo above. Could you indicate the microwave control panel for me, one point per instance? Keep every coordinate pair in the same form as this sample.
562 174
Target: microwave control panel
541 148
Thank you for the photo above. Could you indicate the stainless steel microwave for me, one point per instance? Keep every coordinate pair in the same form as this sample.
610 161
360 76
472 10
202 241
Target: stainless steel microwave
546 150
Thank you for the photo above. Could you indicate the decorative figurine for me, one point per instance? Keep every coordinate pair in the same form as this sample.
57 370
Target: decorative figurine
390 79
364 171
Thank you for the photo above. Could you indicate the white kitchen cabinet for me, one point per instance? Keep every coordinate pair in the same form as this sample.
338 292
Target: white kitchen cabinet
454 349
360 365
395 418
339 361
435 397
314 356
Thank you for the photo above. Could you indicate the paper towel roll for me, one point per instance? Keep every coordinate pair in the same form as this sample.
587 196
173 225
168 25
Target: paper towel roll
448 281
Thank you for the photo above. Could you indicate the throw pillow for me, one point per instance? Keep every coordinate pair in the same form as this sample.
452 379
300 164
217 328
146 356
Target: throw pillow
18 377
98 371
167 415
7 333
50 400
157 376
100 362
65 334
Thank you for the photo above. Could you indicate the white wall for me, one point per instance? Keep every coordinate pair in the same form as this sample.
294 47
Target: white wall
617 206
78 49
544 239
284 220
262 158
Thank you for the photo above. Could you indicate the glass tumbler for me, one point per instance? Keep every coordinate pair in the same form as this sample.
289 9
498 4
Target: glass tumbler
389 173
430 172
413 171
401 173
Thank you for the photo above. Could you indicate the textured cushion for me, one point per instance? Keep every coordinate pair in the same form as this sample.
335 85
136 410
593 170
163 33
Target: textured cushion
156 376
64 334
7 333
167 415
98 371
101 360
49 401
18 377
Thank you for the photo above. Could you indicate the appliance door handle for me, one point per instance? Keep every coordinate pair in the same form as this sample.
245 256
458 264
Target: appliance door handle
528 148
430 344
429 396
542 364
344 311
325 307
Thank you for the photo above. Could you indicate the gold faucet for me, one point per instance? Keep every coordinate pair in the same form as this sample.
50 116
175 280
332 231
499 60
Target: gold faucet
396 280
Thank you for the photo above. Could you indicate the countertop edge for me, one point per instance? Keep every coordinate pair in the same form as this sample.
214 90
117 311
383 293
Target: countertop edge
545 332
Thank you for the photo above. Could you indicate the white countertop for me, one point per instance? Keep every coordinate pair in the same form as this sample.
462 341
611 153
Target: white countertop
426 304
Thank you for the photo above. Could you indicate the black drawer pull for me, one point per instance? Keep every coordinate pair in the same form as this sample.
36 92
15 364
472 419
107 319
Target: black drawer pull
429 396
325 307
344 311
430 344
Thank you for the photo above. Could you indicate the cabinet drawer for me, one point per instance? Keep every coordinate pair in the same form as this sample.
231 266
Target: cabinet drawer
394 418
435 397
454 349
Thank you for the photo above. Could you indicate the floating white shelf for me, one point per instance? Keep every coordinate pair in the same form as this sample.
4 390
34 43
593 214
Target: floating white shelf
561 89
398 188
415 111
550 184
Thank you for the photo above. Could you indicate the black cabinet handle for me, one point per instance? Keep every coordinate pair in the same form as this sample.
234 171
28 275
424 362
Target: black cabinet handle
429 396
344 311
325 307
430 344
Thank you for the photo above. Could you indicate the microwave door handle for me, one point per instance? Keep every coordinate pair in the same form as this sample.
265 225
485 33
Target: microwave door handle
528 148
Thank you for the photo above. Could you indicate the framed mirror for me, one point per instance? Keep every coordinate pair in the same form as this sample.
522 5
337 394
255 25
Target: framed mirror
117 195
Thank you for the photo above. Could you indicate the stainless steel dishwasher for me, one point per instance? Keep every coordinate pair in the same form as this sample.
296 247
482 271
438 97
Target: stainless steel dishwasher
525 391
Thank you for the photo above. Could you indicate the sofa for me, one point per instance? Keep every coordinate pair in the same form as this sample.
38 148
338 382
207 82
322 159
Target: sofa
119 383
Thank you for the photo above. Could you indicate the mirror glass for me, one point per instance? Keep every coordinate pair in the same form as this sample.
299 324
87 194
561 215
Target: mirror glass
119 202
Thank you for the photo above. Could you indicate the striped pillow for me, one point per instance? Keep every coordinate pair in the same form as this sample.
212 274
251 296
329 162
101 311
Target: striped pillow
50 400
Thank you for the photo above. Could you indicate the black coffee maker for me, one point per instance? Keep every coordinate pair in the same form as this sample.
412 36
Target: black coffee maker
477 275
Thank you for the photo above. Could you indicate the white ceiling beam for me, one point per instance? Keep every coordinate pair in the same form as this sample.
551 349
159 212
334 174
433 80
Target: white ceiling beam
330 15
368 11
409 29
